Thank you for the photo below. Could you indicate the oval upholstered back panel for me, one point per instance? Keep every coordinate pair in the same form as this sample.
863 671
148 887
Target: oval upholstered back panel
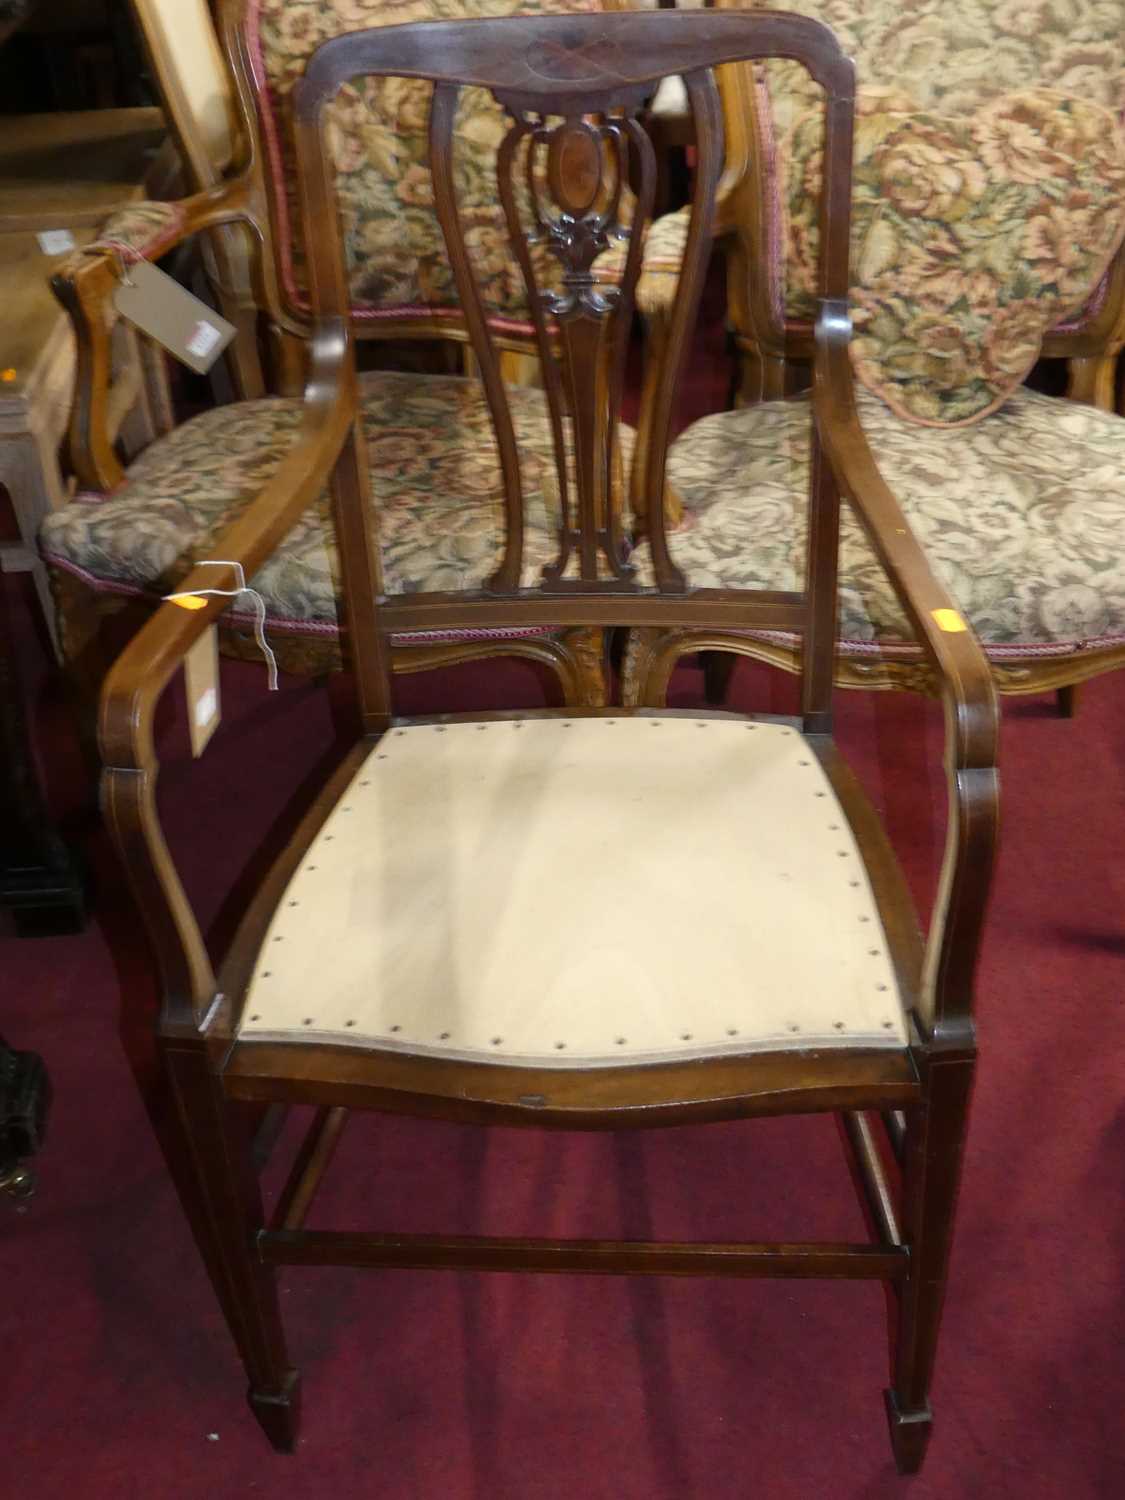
955 57
378 129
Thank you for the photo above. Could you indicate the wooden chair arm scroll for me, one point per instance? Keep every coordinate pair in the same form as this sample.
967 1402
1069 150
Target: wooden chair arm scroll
85 288
967 690
140 674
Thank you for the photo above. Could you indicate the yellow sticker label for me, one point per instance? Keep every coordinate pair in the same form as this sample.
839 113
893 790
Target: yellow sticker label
949 620
186 601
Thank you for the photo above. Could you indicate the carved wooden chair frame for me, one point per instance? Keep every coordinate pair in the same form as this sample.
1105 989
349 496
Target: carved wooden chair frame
594 73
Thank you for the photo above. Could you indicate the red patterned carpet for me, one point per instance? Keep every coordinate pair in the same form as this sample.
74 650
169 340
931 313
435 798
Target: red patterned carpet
119 1378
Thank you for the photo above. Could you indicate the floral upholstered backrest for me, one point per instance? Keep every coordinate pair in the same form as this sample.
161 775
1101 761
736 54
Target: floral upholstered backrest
972 236
956 56
379 131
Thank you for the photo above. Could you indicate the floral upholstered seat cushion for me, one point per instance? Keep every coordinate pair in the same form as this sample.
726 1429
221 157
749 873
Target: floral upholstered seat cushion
435 483
1021 515
378 130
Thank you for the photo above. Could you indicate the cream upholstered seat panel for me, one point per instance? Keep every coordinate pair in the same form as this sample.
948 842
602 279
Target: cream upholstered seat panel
580 892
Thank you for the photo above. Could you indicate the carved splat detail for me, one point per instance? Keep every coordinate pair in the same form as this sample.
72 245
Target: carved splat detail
576 180
575 171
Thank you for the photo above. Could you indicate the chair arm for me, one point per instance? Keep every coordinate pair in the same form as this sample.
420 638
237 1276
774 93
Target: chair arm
967 690
85 285
142 671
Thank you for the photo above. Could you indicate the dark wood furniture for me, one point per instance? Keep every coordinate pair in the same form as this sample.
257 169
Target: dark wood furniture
42 881
507 952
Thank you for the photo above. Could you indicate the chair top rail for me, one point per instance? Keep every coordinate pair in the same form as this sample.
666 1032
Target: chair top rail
569 58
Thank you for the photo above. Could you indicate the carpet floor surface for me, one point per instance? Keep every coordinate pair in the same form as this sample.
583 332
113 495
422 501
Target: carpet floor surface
118 1377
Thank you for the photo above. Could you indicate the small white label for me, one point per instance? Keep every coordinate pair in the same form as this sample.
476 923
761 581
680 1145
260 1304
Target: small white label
207 707
55 241
204 337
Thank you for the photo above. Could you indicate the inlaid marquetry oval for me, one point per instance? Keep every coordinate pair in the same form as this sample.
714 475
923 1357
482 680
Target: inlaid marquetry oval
575 166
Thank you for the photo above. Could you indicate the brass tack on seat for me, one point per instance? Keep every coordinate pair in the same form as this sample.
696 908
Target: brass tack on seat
481 726
804 762
839 1025
621 1041
328 837
255 1018
394 1028
266 973
349 1023
685 1036
559 1046
382 755
888 1025
732 1031
853 883
496 1040
793 1026
277 939
865 919
400 731
440 728
841 854
365 783
307 1021
880 987
751 726
444 1036
820 794
292 903
873 953
310 868
700 724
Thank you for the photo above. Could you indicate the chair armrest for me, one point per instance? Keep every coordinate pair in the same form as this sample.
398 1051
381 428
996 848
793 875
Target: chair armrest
142 671
967 689
85 285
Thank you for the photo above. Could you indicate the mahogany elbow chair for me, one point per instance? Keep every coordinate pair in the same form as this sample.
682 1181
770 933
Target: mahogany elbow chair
461 997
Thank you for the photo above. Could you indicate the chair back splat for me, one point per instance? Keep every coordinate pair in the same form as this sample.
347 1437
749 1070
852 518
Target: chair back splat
572 87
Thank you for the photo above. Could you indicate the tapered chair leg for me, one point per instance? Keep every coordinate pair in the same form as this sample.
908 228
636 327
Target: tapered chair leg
220 1194
935 1136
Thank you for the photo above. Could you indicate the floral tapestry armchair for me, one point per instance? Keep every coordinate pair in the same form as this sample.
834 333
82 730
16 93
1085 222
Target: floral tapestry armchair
132 535
982 236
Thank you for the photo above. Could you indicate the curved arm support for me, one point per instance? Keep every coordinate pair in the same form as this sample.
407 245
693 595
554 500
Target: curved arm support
85 288
966 684
142 671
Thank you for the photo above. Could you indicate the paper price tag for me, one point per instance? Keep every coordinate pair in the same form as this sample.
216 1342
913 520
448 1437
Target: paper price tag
184 325
201 681
55 241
